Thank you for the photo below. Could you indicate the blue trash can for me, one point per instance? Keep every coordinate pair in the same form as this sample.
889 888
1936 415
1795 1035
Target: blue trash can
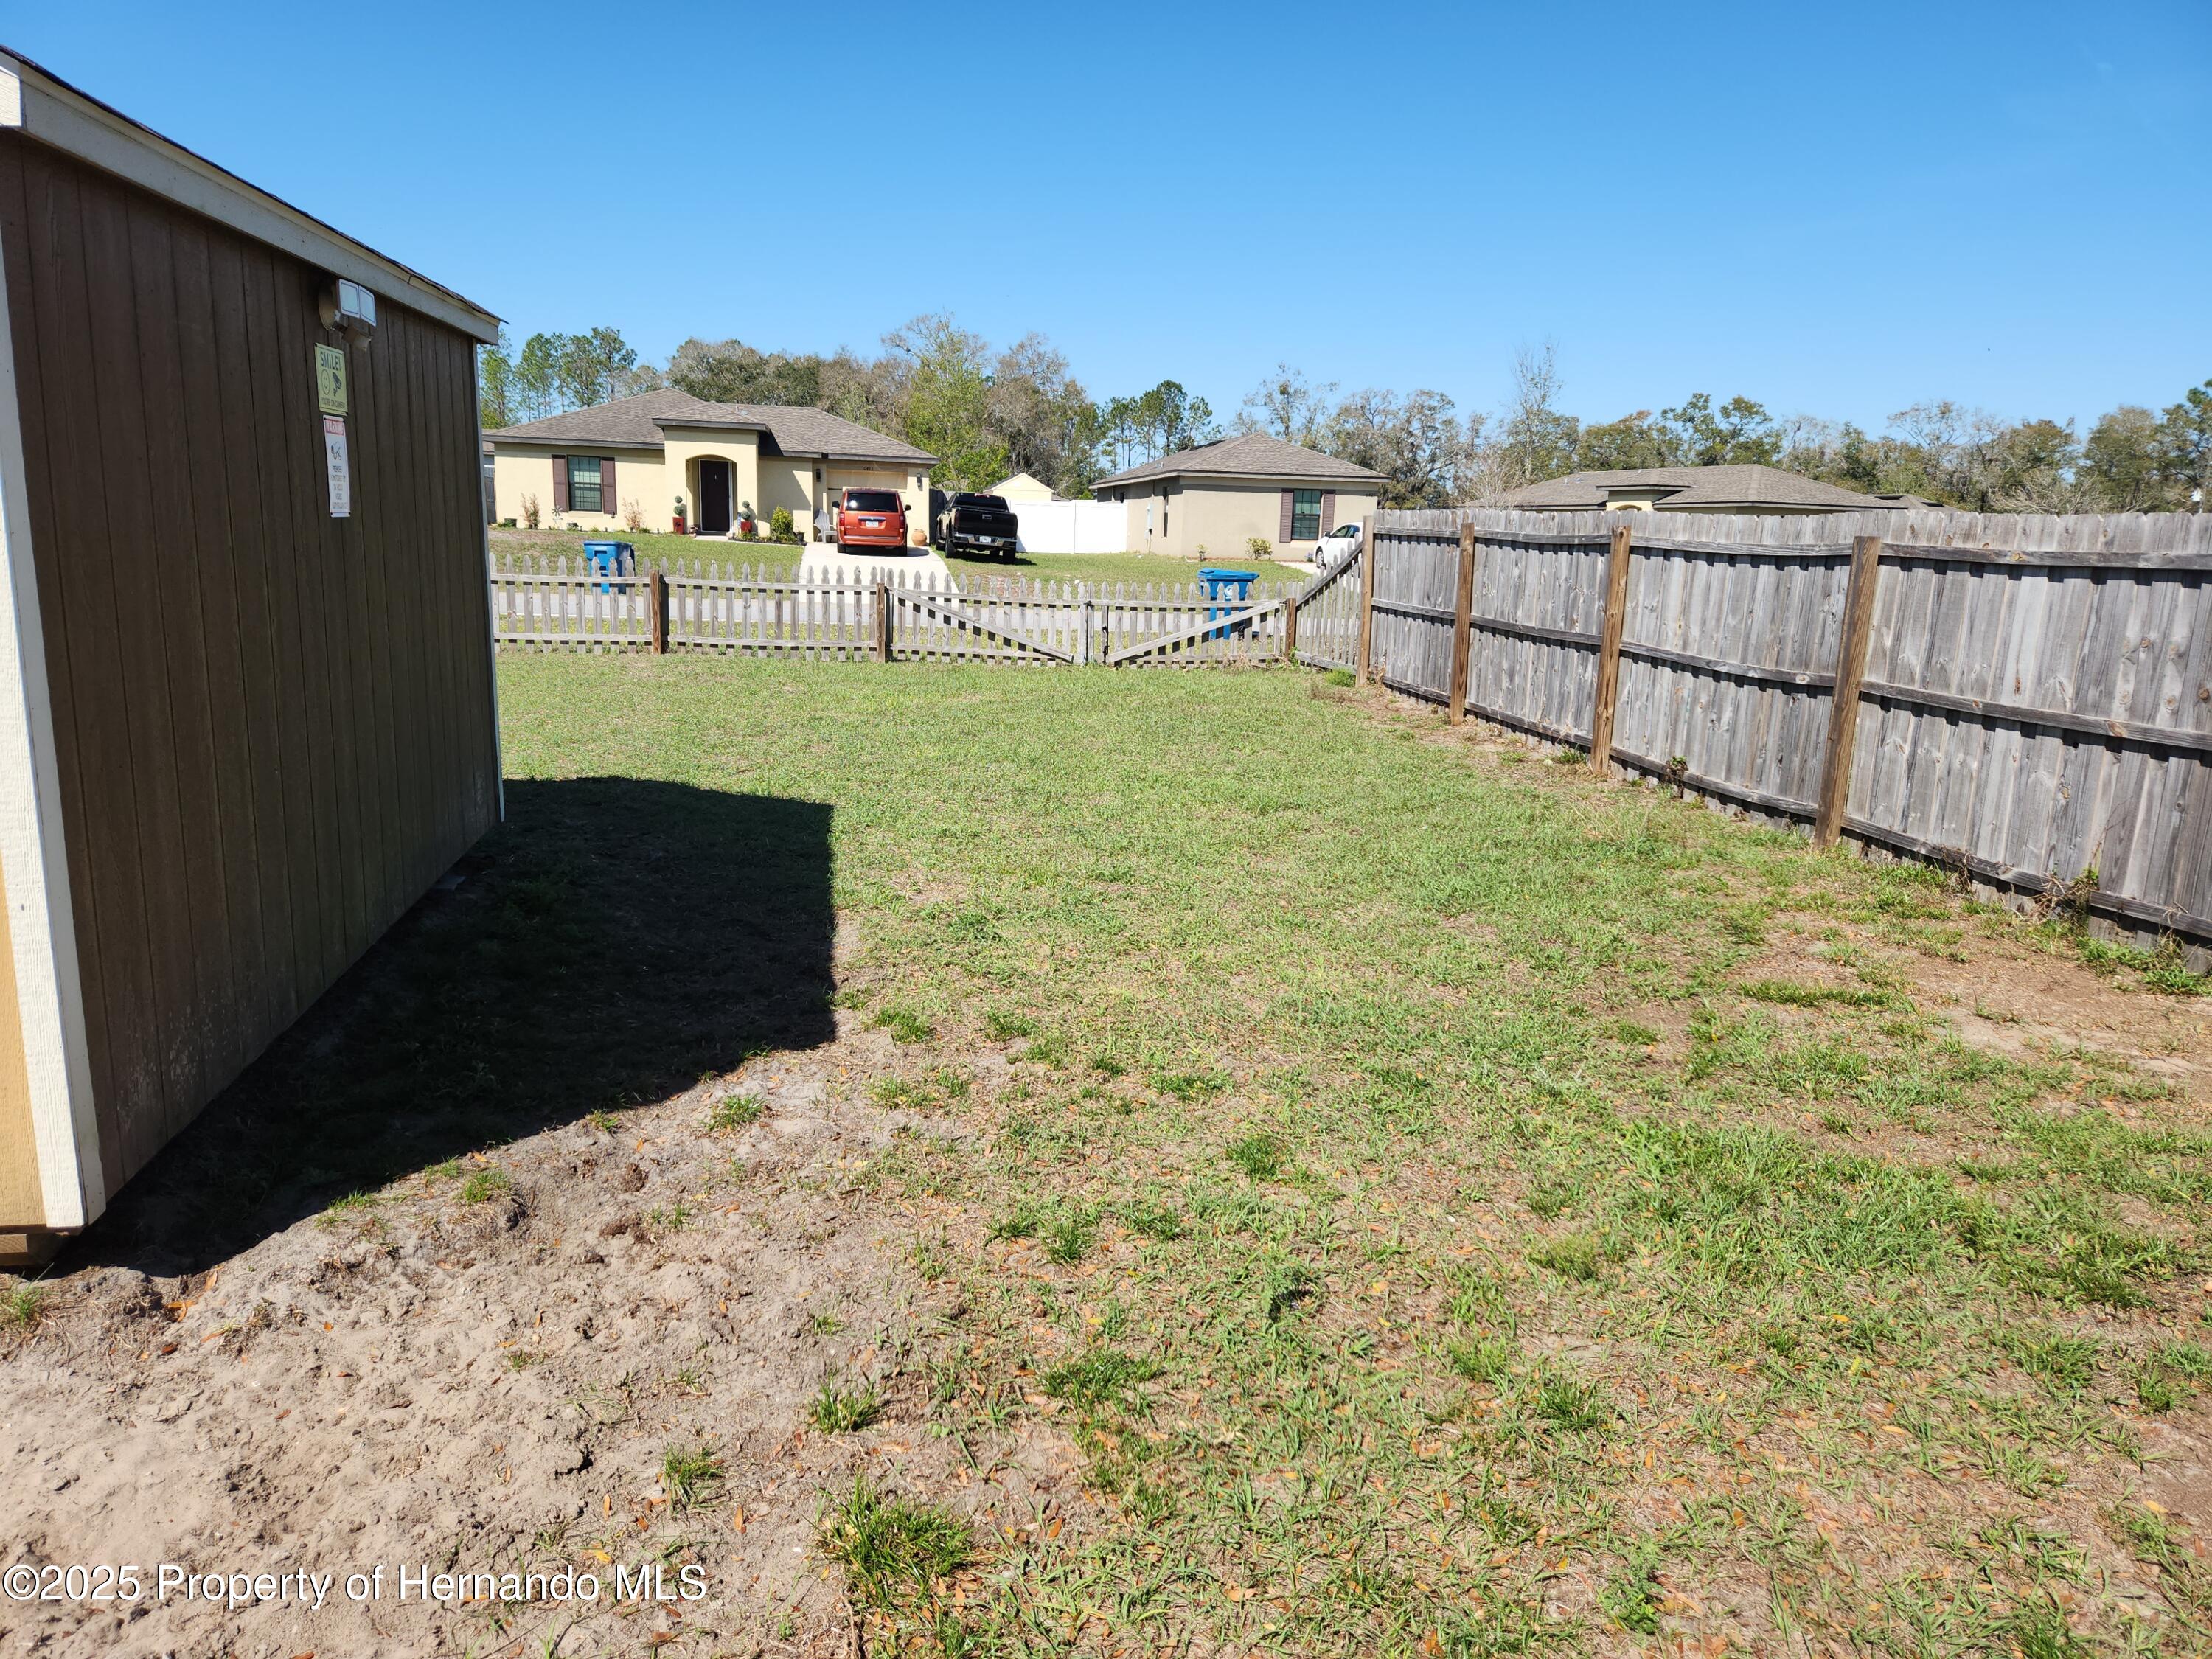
611 559
1218 582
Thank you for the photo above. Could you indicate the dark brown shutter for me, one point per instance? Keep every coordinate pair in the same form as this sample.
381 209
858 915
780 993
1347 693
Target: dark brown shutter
609 502
1328 511
1287 506
560 484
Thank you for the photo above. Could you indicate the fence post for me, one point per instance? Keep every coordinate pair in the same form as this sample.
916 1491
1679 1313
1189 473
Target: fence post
657 611
1608 650
1367 560
883 622
1291 630
1850 674
1462 627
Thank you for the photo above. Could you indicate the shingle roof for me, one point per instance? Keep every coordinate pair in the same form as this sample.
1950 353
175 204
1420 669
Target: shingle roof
1254 454
798 430
638 421
1696 486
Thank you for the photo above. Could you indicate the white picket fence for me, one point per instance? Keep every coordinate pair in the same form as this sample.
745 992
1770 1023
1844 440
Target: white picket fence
562 603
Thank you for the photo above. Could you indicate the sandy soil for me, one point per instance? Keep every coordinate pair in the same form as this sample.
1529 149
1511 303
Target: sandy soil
433 1382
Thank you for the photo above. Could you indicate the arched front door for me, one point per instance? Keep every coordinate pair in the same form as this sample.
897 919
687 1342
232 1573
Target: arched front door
713 496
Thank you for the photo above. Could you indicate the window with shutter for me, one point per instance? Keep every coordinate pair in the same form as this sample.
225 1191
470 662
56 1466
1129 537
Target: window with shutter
560 484
584 494
1305 516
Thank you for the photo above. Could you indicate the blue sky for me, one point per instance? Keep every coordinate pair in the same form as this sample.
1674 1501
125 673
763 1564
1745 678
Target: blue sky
1835 209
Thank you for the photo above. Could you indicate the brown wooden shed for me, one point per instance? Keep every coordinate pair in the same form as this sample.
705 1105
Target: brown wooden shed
246 708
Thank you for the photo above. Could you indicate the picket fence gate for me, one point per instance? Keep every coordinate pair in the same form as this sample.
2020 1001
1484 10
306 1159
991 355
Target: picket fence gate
562 603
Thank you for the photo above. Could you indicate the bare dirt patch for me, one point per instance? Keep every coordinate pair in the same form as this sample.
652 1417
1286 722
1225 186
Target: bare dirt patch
572 1172
432 1381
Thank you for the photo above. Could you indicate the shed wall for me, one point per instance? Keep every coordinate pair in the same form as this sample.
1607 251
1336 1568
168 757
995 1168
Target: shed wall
22 1204
274 729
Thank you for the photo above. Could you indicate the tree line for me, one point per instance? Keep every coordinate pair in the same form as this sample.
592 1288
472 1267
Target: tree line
992 412
988 413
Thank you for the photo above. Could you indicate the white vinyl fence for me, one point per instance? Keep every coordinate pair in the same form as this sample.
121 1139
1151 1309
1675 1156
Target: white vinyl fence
1073 527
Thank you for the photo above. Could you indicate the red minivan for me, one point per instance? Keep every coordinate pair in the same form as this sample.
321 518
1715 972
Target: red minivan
872 518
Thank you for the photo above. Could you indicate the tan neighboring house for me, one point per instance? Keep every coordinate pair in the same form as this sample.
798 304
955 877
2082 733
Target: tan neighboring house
1021 489
1766 491
664 453
1212 501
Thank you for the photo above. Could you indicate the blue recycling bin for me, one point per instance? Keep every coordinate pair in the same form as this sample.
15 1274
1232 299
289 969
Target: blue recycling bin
611 559
1219 584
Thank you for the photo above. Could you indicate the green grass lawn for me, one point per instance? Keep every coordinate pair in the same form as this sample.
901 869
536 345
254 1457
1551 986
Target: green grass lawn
652 549
1042 567
1457 1207
1119 568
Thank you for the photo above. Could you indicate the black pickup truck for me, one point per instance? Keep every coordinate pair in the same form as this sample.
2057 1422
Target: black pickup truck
978 524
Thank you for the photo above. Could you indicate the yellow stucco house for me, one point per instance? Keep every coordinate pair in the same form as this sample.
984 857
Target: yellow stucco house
660 454
1213 501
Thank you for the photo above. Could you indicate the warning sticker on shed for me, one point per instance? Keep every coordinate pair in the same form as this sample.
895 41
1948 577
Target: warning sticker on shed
330 380
334 453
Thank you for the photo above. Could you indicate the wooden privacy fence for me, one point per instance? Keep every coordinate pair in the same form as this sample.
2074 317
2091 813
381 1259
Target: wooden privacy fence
2028 700
560 603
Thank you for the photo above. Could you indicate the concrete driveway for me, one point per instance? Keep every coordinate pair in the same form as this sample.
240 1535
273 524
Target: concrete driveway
826 561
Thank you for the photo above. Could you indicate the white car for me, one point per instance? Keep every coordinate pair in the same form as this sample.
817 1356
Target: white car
1333 549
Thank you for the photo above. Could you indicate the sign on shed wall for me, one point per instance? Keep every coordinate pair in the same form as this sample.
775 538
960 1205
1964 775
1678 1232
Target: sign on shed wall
331 380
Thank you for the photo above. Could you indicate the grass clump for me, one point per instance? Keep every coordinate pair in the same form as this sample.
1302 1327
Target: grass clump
1288 1287
1261 1156
689 1473
1578 1256
1485 1359
894 1551
1103 1377
734 1112
354 1206
904 1025
1631 1597
2066 1365
835 1410
1572 1404
1158 1222
1191 1086
22 1305
1792 993
1001 1025
1069 1239
1548 1198
485 1184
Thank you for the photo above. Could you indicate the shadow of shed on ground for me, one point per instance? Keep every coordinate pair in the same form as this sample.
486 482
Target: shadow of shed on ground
614 941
